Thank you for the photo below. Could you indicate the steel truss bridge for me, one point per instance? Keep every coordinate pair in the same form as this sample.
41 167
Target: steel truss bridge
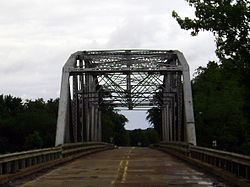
130 79
124 78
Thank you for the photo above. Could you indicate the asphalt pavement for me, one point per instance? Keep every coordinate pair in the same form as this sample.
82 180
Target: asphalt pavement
126 166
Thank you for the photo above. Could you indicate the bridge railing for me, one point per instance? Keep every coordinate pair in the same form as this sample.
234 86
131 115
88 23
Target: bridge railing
11 163
221 163
76 149
20 161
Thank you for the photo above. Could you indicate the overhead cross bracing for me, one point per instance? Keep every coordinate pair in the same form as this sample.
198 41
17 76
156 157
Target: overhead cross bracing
127 78
124 78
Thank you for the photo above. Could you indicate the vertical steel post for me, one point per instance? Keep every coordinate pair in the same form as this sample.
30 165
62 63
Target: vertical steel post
82 119
63 111
163 115
179 109
96 123
87 106
167 123
92 114
99 126
188 101
75 109
92 108
170 120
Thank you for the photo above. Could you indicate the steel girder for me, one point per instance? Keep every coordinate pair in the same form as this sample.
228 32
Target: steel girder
124 78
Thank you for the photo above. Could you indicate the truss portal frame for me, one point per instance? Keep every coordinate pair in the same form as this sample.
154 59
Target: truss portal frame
124 78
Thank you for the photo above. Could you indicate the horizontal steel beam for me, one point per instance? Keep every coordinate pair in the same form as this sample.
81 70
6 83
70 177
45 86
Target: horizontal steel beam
125 70
128 52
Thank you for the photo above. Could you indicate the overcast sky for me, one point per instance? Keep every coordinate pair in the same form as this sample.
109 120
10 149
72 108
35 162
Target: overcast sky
37 37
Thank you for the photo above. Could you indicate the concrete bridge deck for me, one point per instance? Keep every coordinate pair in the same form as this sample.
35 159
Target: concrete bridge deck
126 166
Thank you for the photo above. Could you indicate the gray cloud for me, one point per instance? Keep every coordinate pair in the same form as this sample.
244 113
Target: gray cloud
37 37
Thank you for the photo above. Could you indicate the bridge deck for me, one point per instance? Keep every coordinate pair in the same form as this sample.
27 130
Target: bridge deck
126 166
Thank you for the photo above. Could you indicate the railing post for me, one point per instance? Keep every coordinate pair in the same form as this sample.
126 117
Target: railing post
1 168
8 167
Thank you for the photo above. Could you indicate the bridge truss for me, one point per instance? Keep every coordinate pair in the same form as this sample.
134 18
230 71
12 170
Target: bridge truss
124 78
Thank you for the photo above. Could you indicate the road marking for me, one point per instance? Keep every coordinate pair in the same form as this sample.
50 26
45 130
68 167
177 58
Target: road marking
122 170
125 172
118 171
120 164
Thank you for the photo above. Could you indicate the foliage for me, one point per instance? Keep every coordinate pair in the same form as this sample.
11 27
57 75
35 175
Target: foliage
113 126
228 20
33 141
32 125
139 137
221 91
27 125
113 130
218 107
154 118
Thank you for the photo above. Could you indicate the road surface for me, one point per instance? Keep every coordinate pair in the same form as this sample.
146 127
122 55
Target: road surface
126 166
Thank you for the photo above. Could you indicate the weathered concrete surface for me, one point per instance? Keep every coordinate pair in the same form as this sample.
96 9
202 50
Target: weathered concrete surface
125 167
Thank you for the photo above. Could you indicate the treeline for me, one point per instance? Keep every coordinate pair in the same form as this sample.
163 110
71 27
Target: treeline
221 90
221 107
28 124
144 138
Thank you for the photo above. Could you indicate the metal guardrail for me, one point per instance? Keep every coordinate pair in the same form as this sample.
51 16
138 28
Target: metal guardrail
78 148
15 162
229 163
11 163
236 164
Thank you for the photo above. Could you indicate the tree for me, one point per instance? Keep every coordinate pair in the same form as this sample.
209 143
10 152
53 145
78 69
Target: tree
228 20
113 126
154 118
152 135
10 106
218 106
139 137
24 124
33 141
222 90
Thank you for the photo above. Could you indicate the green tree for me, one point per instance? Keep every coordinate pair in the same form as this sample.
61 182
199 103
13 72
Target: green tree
228 20
10 106
19 120
139 137
218 106
152 135
113 126
222 91
33 141
154 118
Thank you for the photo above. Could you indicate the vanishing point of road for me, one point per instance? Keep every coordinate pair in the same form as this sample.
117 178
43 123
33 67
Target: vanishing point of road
125 166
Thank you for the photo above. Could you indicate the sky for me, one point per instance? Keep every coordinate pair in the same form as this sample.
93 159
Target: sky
38 36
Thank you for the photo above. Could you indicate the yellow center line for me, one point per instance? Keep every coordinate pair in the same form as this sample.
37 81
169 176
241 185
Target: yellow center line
122 170
120 164
125 172
118 171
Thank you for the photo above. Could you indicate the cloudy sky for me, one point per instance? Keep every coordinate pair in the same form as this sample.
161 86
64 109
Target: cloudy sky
37 37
